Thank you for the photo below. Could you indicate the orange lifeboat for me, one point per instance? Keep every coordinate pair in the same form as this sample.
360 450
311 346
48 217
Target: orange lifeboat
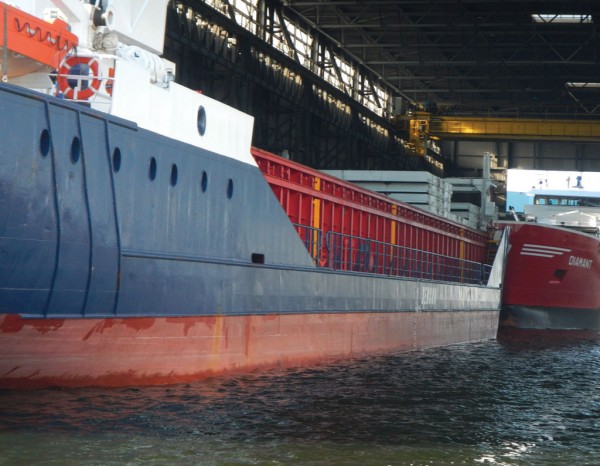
28 44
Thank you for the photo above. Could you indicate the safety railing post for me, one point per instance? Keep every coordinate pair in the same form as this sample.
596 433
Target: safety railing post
340 251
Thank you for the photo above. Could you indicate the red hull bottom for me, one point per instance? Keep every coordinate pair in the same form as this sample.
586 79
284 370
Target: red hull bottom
37 353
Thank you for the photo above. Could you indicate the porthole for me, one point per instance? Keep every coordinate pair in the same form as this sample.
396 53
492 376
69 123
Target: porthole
152 170
201 120
75 150
230 189
116 159
204 182
173 175
45 143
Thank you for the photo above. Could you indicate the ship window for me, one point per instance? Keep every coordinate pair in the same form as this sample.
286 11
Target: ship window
173 175
75 150
230 189
152 171
201 120
204 182
45 143
116 159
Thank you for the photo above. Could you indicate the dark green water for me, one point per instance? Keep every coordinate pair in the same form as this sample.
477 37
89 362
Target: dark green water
505 402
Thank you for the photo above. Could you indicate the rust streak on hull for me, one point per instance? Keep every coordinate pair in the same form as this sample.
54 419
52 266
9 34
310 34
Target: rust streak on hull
38 353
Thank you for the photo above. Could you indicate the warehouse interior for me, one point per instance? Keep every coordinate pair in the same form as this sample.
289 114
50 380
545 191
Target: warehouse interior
402 84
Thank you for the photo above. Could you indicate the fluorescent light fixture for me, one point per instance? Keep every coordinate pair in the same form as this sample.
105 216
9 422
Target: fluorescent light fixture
561 19
583 85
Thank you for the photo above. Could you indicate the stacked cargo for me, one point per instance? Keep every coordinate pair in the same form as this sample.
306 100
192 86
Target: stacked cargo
420 189
466 211
468 201
426 191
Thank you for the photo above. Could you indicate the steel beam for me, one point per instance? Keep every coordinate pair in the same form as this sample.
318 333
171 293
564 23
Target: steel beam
514 129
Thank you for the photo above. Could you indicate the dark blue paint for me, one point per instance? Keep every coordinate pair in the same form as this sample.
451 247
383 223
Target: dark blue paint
65 218
78 238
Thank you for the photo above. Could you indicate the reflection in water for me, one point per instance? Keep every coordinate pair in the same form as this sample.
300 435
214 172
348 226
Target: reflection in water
521 400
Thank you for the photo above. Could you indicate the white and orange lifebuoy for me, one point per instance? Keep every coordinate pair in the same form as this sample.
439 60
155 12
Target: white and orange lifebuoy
79 92
108 85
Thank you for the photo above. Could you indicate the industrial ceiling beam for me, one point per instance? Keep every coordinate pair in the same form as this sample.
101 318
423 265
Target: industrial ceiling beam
430 49
514 129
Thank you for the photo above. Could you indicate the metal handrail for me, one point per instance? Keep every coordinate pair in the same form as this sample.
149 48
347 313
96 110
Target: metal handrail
353 253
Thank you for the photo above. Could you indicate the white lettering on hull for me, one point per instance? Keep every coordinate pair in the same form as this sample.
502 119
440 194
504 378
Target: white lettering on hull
580 262
429 296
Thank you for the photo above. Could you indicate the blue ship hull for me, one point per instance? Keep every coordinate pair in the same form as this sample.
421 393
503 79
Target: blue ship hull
100 219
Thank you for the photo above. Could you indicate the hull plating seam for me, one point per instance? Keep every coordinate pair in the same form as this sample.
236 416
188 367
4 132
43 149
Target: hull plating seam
214 260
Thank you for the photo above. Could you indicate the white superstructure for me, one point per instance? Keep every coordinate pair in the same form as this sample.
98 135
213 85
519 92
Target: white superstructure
572 208
116 68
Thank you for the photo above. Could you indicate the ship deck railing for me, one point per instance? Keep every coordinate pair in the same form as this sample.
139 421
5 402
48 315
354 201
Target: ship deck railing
339 251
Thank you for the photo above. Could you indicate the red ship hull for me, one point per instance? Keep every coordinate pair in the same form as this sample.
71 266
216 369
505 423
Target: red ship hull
152 351
552 278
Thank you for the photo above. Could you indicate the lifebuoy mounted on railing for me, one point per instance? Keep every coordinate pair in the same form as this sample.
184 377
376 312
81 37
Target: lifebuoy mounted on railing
108 85
79 78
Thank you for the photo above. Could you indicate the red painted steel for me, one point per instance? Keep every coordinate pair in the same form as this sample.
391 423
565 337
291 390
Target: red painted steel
153 351
314 199
549 267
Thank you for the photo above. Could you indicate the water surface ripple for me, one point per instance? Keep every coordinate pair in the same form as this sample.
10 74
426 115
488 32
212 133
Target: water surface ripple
515 401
